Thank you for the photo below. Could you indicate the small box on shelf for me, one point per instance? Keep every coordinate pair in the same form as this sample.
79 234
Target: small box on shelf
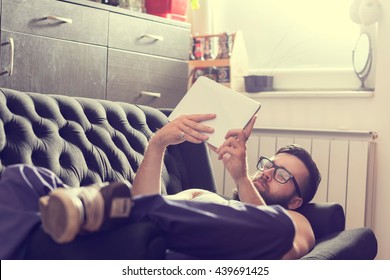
221 57
172 9
258 83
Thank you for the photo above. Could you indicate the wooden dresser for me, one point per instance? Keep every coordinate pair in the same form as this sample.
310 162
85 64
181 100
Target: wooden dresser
84 48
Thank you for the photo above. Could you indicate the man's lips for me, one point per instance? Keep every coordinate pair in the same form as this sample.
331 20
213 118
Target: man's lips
259 184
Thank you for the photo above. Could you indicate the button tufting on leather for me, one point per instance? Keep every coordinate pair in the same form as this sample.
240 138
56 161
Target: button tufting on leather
65 160
82 140
40 130
15 130
41 158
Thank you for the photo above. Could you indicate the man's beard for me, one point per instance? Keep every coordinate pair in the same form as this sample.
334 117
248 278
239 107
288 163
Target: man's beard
276 200
269 199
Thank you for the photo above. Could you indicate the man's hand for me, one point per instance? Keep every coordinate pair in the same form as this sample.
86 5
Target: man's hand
233 151
184 128
233 154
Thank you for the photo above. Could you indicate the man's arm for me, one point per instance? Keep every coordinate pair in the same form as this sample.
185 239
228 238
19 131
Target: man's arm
148 177
187 194
233 154
304 239
248 193
184 128
199 195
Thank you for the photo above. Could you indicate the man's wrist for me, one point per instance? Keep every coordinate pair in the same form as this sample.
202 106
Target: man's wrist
247 192
244 181
156 144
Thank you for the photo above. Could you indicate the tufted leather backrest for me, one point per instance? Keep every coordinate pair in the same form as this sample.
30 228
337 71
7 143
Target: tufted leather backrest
86 140
325 218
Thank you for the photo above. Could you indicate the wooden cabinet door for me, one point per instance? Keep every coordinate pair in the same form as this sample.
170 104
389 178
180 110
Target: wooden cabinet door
52 66
149 37
144 79
56 19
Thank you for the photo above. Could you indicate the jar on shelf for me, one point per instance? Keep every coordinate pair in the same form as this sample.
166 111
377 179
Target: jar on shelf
197 49
133 5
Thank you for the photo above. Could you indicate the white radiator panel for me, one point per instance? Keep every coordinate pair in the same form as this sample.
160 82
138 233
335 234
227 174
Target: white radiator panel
356 184
338 171
344 158
320 152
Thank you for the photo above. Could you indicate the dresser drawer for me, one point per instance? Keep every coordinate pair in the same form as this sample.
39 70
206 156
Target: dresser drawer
147 36
39 65
56 19
145 79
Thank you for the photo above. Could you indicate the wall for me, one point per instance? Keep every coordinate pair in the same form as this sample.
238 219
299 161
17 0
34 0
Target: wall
377 117
366 113
370 113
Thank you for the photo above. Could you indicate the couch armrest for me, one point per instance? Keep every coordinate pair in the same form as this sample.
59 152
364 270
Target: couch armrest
134 241
352 244
198 164
325 218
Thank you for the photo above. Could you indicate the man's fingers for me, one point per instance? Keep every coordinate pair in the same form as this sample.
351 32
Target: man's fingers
242 134
225 151
248 129
201 117
214 149
192 123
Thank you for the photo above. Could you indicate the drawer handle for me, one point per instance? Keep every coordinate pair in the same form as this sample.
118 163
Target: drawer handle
151 94
66 20
153 37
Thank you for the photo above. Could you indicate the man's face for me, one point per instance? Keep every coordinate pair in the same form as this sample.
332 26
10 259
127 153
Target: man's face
274 192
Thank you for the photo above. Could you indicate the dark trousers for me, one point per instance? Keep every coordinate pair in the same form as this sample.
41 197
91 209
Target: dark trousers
196 229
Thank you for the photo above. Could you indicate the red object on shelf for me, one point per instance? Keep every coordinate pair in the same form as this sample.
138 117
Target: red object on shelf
173 9
173 16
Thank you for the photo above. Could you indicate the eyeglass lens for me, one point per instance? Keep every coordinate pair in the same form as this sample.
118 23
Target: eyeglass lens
281 175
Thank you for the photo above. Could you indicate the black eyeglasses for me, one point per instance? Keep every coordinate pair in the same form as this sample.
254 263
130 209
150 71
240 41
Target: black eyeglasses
281 174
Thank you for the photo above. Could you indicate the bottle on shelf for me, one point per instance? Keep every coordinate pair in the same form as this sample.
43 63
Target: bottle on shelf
221 57
207 50
224 48
198 49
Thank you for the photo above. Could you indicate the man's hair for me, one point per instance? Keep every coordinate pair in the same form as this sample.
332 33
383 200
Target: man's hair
310 188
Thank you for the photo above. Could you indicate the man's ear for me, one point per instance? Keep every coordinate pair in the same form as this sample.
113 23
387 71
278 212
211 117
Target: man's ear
295 203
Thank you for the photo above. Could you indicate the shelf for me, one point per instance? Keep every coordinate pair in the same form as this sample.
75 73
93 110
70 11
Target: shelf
209 63
230 71
342 133
312 94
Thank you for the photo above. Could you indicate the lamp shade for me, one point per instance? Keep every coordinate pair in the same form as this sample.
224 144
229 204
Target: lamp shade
354 11
369 11
365 12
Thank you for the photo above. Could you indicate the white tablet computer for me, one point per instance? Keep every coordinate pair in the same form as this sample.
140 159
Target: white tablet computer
234 110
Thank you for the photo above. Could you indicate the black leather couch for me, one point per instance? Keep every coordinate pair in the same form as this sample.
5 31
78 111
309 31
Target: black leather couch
87 140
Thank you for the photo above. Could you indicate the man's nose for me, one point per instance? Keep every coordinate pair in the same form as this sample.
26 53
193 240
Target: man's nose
268 174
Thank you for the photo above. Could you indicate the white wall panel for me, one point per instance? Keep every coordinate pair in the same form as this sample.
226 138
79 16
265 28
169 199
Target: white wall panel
320 154
306 143
283 141
253 153
357 180
338 170
267 146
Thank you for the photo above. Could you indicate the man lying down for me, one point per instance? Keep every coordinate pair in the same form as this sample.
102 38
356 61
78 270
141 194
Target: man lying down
260 223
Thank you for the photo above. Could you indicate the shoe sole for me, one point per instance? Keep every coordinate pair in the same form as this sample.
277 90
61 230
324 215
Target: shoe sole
93 203
61 215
